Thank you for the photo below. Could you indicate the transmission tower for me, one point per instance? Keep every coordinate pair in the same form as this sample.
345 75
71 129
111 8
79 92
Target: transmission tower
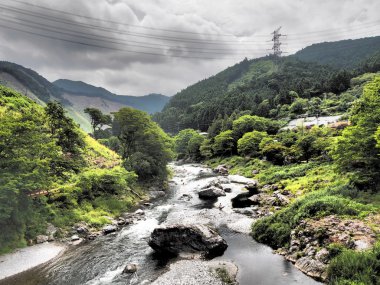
277 43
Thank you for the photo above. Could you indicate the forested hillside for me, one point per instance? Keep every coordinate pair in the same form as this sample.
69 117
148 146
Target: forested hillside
268 87
52 172
347 54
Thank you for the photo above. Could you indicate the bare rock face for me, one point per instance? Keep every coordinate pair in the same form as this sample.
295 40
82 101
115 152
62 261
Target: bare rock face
211 193
312 267
175 239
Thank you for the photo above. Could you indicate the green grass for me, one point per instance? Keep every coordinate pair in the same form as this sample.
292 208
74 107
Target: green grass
352 267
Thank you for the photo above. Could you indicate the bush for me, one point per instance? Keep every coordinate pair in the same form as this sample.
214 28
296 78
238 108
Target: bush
352 267
94 183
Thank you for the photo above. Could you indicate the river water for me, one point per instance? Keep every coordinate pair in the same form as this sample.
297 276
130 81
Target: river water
103 260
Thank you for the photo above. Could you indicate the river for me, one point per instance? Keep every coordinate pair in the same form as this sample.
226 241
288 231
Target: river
103 260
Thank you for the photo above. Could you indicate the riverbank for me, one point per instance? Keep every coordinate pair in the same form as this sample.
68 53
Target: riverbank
313 215
28 258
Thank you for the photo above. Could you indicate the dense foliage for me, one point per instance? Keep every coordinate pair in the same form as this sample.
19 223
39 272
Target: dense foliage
43 150
143 145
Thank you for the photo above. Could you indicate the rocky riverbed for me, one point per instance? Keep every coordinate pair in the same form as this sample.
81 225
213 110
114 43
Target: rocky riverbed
122 255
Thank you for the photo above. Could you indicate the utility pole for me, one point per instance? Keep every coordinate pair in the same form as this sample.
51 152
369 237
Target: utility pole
277 43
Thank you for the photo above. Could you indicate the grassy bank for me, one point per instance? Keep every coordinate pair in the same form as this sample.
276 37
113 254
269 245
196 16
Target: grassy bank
318 191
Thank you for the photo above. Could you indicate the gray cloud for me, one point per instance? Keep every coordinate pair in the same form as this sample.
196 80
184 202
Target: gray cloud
118 57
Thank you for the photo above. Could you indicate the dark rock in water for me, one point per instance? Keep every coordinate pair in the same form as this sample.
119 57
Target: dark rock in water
130 268
252 187
174 239
227 188
211 193
242 200
109 229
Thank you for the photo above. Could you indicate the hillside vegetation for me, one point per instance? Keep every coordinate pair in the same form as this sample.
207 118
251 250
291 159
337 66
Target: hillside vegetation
52 172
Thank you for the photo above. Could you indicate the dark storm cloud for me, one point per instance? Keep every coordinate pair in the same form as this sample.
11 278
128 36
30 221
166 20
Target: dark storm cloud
117 56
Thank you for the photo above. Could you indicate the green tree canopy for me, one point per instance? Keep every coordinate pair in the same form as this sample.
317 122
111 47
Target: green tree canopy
144 146
356 151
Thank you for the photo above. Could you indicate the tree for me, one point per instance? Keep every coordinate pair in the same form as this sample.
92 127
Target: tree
181 142
187 144
144 146
224 143
355 151
98 119
68 137
273 150
250 142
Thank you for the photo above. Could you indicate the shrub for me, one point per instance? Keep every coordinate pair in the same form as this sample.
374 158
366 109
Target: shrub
352 267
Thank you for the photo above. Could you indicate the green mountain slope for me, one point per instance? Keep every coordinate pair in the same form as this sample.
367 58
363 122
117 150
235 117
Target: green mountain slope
273 87
258 85
341 54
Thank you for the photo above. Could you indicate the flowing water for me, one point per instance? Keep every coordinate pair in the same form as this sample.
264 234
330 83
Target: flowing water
103 260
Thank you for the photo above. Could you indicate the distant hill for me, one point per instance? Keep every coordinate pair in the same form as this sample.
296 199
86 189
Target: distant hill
341 54
71 89
74 95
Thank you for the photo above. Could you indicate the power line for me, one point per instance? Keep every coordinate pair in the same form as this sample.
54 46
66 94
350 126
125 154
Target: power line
143 35
70 32
124 24
111 40
109 48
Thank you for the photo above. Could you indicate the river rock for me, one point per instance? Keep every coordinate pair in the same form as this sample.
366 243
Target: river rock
211 193
221 169
252 187
139 212
227 188
109 229
130 268
242 200
312 267
42 238
174 239
74 238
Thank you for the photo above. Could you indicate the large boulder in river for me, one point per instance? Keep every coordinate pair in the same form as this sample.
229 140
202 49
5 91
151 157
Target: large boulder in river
174 239
211 193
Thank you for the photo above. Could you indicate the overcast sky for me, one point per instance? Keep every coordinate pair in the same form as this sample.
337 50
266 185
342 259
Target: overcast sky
137 47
